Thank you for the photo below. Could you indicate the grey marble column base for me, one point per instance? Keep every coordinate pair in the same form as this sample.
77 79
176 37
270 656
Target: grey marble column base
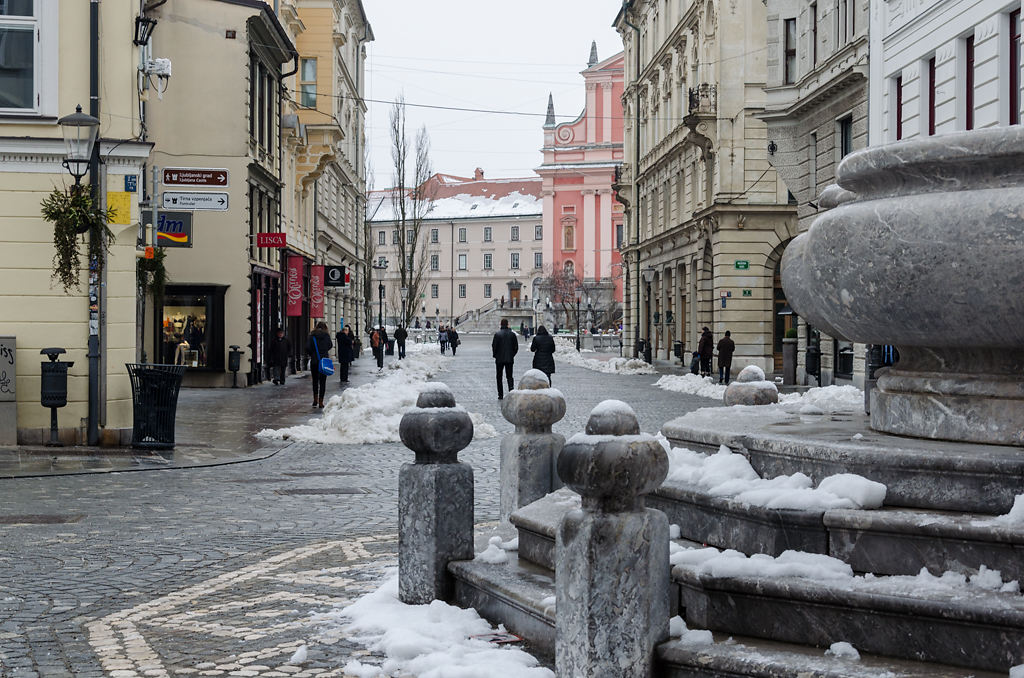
528 468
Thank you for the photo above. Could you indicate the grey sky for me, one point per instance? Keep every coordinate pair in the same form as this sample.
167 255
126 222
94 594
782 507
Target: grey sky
480 54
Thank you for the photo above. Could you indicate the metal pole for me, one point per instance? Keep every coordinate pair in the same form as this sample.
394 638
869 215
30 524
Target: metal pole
93 353
577 324
380 305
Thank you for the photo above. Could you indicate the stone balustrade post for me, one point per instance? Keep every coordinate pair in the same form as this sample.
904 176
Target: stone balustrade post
528 456
611 569
435 496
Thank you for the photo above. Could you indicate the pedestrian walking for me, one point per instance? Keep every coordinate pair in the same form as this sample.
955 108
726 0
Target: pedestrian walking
504 347
317 347
442 338
345 355
280 349
706 349
377 346
385 341
453 339
543 347
401 334
726 347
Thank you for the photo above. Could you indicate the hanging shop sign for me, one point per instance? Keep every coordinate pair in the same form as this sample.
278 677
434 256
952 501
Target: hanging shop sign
271 240
173 229
316 291
335 276
294 281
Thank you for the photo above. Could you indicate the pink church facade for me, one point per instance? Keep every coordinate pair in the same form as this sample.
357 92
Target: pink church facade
582 219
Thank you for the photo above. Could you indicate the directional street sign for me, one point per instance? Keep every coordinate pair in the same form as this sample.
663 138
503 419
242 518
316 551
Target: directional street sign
195 177
195 200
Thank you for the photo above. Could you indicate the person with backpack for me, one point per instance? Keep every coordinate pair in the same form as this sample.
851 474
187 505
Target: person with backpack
317 347
377 346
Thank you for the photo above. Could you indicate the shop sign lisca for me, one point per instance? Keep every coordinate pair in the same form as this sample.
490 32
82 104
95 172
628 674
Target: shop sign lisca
316 291
294 307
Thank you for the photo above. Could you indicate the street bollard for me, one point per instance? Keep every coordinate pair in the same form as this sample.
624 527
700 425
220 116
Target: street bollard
435 496
528 456
611 572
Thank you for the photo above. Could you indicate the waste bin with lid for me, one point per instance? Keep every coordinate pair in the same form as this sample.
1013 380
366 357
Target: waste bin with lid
154 404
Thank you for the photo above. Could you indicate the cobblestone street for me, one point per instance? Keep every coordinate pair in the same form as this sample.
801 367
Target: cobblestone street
223 569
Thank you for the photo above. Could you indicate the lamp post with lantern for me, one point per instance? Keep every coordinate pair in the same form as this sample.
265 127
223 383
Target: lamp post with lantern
648 274
380 267
579 297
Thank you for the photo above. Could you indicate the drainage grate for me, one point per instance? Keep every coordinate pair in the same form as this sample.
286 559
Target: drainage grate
41 519
323 490
317 474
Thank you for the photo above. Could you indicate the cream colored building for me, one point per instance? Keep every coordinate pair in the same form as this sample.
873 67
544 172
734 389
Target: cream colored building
707 215
46 74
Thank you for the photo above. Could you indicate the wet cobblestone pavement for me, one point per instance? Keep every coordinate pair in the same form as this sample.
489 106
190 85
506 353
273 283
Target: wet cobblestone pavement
220 570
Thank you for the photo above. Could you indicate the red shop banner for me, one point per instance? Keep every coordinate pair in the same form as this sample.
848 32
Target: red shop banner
294 287
316 291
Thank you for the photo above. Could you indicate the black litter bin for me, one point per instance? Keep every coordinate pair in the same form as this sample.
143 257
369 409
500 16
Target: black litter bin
154 404
677 349
390 350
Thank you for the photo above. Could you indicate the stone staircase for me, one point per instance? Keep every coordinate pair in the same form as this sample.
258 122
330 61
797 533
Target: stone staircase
939 514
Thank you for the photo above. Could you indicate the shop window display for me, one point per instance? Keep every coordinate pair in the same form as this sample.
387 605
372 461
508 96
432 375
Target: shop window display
185 330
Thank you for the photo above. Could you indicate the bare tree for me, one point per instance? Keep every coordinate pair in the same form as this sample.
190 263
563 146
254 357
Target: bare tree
560 286
410 203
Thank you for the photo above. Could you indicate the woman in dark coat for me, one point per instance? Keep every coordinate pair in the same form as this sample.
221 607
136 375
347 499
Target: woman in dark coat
318 346
344 352
543 347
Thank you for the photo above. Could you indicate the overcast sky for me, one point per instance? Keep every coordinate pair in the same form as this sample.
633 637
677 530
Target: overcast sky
480 54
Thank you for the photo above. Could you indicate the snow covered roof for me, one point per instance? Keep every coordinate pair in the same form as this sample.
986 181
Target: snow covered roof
466 198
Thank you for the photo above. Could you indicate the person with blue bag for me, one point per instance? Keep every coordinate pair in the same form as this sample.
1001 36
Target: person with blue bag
318 346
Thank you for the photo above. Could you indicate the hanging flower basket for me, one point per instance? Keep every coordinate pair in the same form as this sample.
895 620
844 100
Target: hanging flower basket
73 214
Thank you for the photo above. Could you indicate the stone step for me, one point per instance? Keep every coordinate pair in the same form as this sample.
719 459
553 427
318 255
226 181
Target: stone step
537 524
517 594
882 541
928 474
971 628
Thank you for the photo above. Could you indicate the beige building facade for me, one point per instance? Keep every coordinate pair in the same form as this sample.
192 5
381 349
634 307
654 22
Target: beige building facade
47 55
707 215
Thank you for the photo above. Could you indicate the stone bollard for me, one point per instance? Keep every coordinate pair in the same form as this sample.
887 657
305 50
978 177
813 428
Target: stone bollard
751 388
611 569
528 456
435 496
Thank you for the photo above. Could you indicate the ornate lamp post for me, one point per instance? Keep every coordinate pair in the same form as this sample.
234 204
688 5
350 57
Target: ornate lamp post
80 131
404 291
380 267
648 274
579 297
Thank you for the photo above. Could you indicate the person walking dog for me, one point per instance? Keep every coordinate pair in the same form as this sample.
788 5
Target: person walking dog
504 347
318 346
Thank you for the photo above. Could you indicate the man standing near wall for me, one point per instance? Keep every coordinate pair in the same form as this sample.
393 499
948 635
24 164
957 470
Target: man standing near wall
726 347
504 347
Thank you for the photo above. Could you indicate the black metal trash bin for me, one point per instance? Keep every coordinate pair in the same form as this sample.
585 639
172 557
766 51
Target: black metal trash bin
154 404
390 350
677 349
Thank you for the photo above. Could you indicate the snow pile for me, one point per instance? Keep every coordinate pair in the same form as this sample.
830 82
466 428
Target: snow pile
371 413
823 399
843 650
692 384
565 350
1015 518
726 474
496 551
677 628
1017 671
428 640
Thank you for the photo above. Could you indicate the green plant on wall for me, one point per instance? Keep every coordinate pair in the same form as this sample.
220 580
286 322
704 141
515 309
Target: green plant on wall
152 275
791 333
72 214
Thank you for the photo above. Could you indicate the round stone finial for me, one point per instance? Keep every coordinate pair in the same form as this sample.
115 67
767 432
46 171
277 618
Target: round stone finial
613 418
436 429
435 394
534 406
750 388
612 465
533 380
751 373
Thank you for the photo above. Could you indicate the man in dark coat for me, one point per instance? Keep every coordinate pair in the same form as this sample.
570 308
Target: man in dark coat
345 354
318 346
543 347
706 349
453 339
504 347
401 334
726 347
280 349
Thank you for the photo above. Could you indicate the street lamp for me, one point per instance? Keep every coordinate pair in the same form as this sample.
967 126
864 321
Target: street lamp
404 291
648 274
381 266
579 297
79 131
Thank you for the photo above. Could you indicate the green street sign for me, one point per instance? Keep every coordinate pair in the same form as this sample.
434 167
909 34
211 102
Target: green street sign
748 293
741 264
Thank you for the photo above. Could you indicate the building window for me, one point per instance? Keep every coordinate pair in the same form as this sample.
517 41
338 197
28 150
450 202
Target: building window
264 89
814 33
410 236
1015 67
845 136
433 235
462 235
307 83
382 238
488 258
568 209
538 260
515 234
487 290
487 233
193 326
462 262
514 261
618 236
789 55
569 238
538 232
394 237
435 262
408 262
969 85
931 96
433 291
899 108
462 291
18 26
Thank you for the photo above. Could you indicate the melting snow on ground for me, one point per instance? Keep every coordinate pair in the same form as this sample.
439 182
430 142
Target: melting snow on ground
691 384
1015 518
428 641
371 413
727 474
565 350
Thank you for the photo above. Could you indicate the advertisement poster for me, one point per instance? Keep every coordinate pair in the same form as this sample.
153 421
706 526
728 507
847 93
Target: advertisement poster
294 287
316 291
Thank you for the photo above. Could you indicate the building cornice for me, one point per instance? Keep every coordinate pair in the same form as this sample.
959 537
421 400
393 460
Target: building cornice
44 155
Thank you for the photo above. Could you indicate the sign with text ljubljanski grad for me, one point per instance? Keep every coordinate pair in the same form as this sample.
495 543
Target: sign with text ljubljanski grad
294 286
187 177
316 291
